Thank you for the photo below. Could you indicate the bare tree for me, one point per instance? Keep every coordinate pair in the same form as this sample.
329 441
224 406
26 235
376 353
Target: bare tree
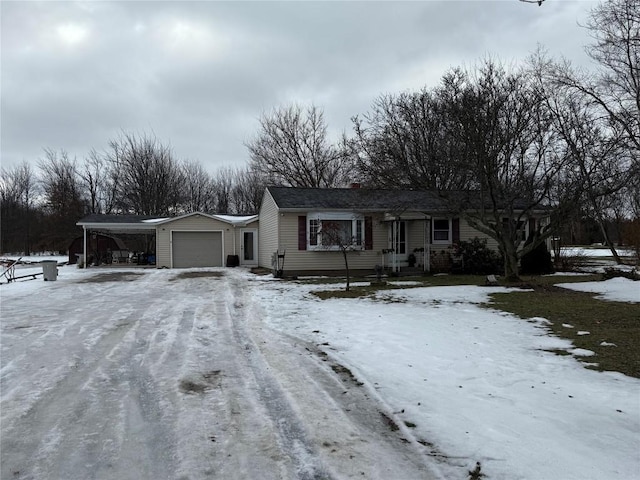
199 195
18 209
292 149
615 29
223 184
248 189
63 198
403 142
145 175
333 235
614 87
94 177
599 114
499 120
597 156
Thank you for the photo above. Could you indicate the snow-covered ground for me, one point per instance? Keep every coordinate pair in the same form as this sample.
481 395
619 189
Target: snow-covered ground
476 383
125 373
596 252
615 289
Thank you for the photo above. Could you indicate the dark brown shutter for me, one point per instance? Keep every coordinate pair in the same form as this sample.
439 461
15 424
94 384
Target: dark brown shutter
455 230
532 226
368 233
302 232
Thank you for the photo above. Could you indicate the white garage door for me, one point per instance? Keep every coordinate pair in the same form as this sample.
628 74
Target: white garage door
197 249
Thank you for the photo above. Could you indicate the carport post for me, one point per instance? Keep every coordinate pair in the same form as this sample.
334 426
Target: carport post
84 246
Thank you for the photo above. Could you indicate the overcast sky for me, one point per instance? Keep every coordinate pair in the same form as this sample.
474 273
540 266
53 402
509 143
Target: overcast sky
199 74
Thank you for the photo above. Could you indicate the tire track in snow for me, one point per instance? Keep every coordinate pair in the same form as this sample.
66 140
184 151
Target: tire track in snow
292 434
103 419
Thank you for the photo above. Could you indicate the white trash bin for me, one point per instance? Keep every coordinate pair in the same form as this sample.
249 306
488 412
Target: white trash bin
49 270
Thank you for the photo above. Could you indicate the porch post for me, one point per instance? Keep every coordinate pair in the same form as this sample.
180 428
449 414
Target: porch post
426 261
396 244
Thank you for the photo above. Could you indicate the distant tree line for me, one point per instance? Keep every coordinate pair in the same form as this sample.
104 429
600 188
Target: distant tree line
136 174
504 141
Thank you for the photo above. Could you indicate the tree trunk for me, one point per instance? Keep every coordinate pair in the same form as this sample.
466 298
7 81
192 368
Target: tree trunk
346 266
510 254
608 242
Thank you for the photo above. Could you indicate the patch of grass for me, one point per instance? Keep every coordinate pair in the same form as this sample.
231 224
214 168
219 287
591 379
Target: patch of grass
615 323
374 287
113 277
182 275
432 281
354 292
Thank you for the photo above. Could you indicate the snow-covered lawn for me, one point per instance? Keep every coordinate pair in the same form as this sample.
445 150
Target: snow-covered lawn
463 382
596 252
617 289
477 384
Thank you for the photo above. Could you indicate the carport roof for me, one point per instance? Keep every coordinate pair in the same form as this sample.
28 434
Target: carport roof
146 223
120 223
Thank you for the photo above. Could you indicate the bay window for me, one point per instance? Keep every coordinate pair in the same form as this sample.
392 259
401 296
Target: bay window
332 231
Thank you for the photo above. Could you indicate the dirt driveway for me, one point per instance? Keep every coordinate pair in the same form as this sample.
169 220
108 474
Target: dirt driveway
167 374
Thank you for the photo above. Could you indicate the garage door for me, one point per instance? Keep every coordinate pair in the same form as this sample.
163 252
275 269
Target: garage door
197 249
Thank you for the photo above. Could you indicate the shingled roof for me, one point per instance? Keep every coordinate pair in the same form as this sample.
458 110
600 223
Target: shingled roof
379 200
362 199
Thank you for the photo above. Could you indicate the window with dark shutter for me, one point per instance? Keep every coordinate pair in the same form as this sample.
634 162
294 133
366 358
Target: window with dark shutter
302 232
455 230
368 233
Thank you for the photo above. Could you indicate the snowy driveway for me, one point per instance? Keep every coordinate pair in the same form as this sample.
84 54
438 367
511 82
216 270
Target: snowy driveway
123 374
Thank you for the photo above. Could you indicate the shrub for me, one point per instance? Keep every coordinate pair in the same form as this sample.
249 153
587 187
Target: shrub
537 261
571 262
615 272
478 259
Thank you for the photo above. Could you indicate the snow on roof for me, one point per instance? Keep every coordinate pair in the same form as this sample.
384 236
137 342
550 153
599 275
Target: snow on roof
237 219
154 220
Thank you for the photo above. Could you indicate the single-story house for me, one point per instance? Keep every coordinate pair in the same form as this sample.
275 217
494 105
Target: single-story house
306 230
391 228
191 240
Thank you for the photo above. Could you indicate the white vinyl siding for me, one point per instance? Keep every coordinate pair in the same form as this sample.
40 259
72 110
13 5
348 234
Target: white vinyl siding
301 260
467 233
194 223
268 231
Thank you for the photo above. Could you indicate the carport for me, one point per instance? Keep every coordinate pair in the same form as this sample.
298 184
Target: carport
95 224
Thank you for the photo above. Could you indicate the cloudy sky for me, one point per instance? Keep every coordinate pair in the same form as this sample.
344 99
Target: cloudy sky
199 74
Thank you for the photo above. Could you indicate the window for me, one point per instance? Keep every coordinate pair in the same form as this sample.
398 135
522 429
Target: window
520 227
314 229
330 231
441 230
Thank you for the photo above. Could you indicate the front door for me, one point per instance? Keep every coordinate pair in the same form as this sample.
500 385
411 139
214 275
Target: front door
249 246
398 242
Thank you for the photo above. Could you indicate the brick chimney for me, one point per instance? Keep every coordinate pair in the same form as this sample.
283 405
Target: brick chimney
355 185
